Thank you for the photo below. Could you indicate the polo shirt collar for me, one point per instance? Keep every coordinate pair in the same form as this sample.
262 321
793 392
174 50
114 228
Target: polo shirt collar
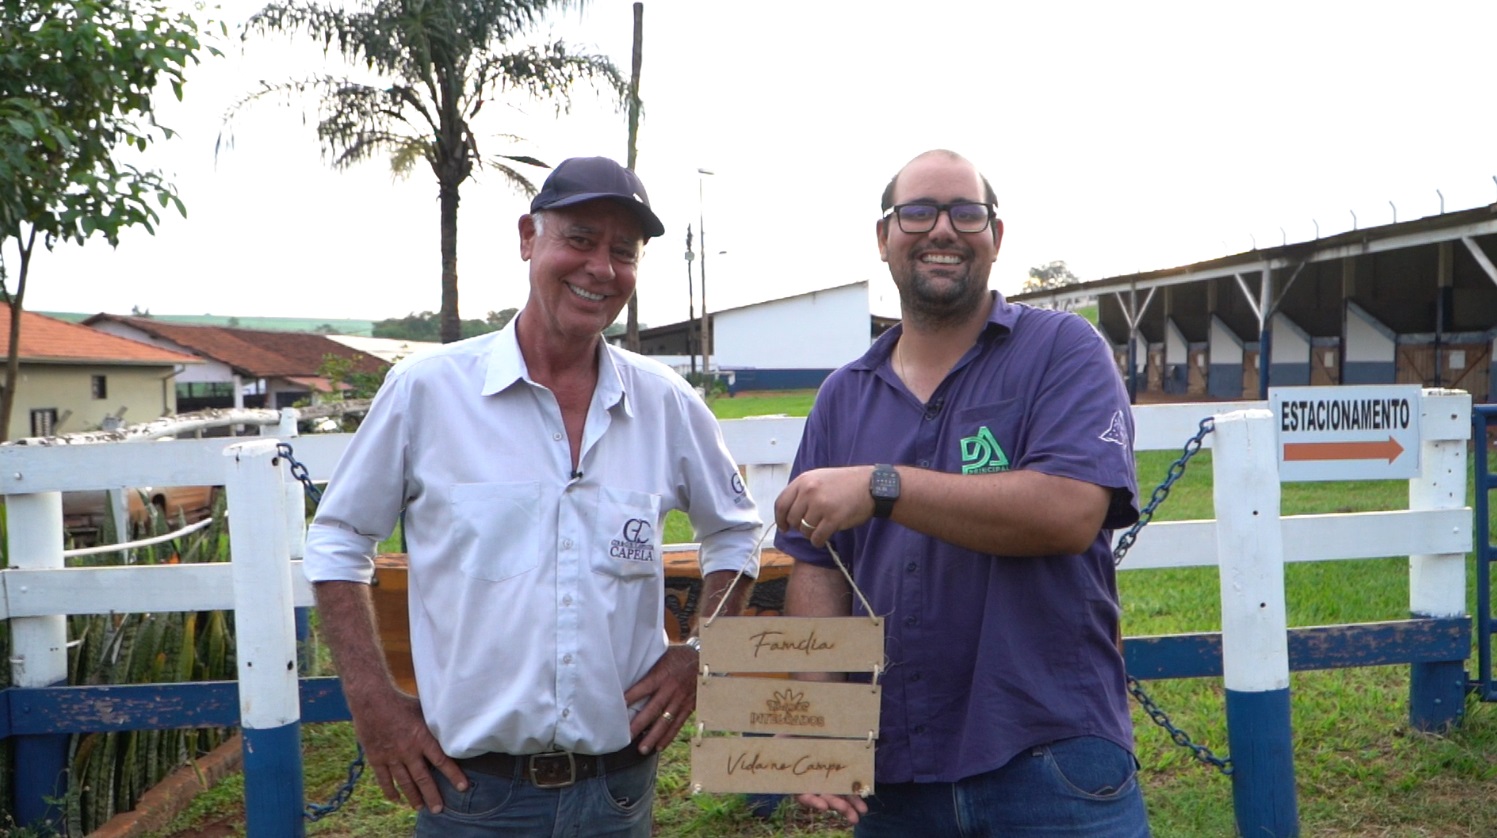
1002 318
506 366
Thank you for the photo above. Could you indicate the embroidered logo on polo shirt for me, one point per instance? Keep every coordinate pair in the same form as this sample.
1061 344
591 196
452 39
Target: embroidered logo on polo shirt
981 454
634 542
1117 432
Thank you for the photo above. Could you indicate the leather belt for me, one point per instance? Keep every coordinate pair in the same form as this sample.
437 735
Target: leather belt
554 769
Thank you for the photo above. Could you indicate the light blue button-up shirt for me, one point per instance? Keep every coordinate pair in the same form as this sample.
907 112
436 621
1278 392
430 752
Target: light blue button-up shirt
536 594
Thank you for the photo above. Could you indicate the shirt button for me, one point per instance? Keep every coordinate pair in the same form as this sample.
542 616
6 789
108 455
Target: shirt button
566 544
566 659
566 714
912 621
566 600
911 567
924 463
915 677
556 437
919 728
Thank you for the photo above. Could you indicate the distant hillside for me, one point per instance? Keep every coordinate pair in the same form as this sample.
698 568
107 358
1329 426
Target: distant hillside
364 328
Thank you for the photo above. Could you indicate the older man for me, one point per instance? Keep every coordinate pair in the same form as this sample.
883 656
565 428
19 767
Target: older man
969 468
534 467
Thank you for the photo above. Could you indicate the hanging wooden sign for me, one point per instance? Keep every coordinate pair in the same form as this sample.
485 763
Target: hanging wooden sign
781 735
793 644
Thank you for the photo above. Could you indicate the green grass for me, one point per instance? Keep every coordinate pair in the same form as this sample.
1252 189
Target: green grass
1360 769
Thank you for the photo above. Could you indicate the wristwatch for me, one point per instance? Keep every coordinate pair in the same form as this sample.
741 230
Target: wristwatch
884 486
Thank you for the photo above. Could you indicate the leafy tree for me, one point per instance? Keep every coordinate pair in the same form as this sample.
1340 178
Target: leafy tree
1046 277
355 384
426 325
438 63
76 81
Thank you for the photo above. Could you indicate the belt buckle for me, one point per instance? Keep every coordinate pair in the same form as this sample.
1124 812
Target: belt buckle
552 770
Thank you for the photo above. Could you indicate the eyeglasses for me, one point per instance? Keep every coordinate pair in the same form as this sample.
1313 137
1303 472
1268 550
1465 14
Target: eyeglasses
966 216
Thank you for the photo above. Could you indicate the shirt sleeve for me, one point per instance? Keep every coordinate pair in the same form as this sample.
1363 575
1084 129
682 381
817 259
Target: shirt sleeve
364 497
722 512
1080 424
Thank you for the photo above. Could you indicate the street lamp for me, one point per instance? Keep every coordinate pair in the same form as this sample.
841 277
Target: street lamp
706 332
691 309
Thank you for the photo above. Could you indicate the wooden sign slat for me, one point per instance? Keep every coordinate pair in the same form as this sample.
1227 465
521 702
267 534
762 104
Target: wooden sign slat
769 765
792 644
776 705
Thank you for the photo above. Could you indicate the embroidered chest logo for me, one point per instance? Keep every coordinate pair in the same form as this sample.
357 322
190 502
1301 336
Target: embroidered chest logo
635 542
788 708
981 453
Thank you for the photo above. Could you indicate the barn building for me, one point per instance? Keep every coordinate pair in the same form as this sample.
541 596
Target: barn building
1413 302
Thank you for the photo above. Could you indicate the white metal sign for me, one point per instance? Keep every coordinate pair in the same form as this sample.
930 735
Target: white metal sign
1359 432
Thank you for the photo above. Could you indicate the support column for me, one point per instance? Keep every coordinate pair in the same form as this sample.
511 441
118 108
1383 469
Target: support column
1255 639
269 705
39 658
1437 582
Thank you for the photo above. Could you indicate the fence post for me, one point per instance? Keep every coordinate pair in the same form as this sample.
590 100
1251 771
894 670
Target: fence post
1255 640
39 658
269 705
1437 582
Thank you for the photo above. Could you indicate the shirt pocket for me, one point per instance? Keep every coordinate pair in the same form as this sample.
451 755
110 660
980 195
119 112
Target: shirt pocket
989 437
629 530
495 529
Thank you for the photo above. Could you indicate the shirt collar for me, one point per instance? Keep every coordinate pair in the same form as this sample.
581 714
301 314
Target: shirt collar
1002 318
506 365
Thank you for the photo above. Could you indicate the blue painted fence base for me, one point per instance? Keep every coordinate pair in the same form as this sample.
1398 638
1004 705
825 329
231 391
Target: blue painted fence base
42 783
1258 735
1437 695
273 781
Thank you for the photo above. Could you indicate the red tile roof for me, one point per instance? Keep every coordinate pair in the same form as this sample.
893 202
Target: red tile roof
258 354
49 340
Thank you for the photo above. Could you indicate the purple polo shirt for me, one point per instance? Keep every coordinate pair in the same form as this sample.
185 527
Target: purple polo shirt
988 655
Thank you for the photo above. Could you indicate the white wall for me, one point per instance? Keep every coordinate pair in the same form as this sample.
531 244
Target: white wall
1366 339
816 330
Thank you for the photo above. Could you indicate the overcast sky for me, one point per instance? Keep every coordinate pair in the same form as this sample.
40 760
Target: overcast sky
1120 137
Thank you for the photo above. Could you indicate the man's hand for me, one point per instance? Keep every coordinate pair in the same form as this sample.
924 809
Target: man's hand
824 501
671 686
848 806
400 748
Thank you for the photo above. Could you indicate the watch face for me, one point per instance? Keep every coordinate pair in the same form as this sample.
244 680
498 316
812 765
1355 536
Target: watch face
885 484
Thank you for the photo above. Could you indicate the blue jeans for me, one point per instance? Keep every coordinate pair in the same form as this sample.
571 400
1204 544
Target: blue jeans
1073 787
619 803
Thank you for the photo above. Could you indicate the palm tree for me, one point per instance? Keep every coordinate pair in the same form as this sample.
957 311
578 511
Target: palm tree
440 62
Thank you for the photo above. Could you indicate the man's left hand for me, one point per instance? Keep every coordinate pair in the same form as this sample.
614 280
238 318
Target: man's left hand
671 687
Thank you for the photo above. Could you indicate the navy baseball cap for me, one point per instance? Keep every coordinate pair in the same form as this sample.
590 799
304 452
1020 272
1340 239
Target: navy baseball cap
578 180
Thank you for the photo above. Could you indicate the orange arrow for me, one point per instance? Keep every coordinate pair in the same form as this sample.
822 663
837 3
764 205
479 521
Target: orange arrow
1299 451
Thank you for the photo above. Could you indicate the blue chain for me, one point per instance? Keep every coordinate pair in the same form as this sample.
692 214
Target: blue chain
1136 689
318 811
1162 491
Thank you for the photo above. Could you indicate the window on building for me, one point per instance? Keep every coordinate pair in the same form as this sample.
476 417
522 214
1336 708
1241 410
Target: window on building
99 384
43 421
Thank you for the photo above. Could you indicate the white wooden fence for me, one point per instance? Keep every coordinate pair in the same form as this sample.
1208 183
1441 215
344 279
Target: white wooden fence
261 586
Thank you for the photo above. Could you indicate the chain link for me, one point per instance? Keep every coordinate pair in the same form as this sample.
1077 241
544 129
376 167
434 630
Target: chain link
1162 491
1180 737
299 471
318 811
1136 689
